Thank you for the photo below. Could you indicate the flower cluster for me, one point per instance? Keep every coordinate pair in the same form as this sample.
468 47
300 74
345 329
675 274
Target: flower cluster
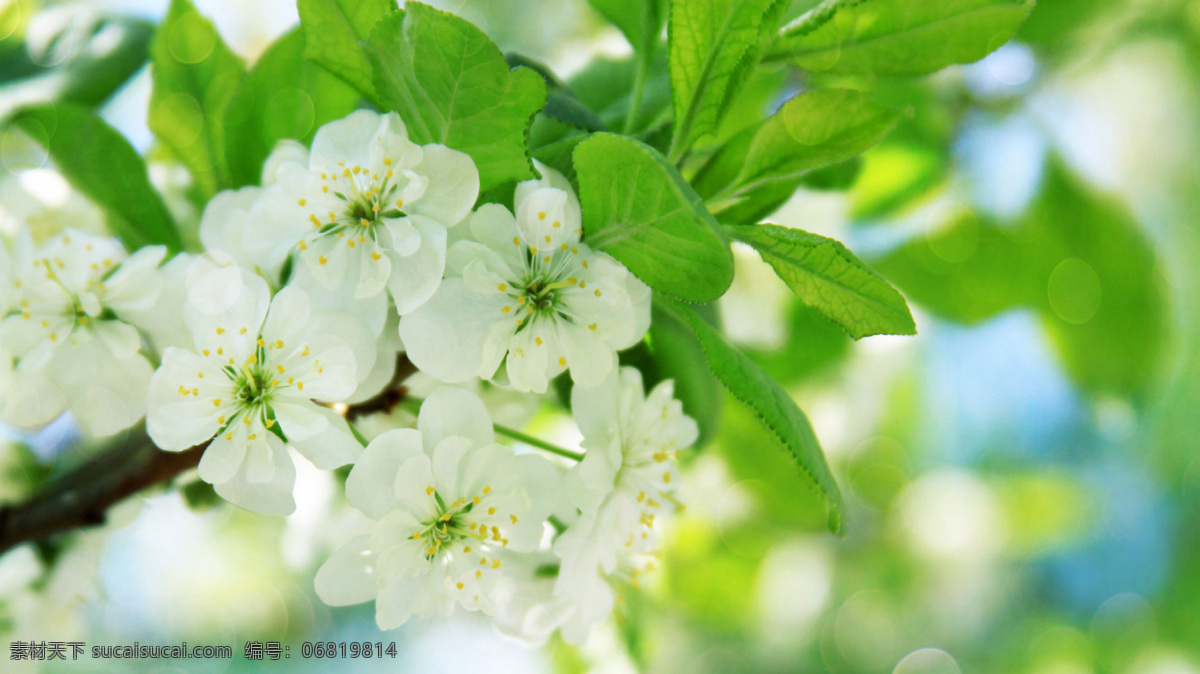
306 290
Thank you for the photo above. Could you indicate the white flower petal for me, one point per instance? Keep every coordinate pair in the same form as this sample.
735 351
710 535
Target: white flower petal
371 484
177 422
453 185
345 140
548 219
268 498
332 447
590 359
300 420
223 456
450 412
416 277
445 336
527 362
286 151
348 576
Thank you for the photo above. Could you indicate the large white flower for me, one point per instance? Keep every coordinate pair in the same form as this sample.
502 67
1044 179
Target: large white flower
249 383
527 289
68 327
624 481
447 500
368 208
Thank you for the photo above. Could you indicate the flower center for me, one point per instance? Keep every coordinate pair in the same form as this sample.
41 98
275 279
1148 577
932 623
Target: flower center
451 523
366 197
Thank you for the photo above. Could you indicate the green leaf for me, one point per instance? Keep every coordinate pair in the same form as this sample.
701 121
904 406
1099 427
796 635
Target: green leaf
1078 259
775 410
679 356
559 156
452 86
605 86
98 161
815 129
334 36
195 75
561 103
713 45
813 345
898 37
284 96
896 176
829 278
637 208
641 21
106 58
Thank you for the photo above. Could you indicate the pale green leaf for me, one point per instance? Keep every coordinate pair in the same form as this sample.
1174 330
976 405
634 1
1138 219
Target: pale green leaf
679 357
284 96
640 21
713 45
829 278
334 36
898 37
194 76
775 409
810 131
452 86
637 208
97 160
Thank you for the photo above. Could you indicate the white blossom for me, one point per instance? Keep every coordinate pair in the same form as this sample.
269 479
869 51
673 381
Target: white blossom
228 230
69 333
368 208
249 383
449 502
624 481
526 289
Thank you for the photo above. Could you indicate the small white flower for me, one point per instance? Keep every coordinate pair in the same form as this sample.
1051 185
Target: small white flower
368 207
249 383
529 290
624 481
448 501
70 326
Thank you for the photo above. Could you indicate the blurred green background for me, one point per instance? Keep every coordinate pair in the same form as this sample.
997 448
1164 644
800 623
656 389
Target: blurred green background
1022 478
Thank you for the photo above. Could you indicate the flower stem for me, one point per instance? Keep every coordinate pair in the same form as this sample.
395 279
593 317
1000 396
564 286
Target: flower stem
639 86
413 404
537 442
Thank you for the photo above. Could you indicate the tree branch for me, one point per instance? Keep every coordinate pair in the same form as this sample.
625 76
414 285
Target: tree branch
81 498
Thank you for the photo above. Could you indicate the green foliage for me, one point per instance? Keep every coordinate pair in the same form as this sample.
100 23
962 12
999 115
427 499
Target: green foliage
829 278
195 75
1078 259
334 35
898 37
101 164
607 87
112 52
640 21
761 167
773 407
637 208
813 345
679 356
713 46
452 85
284 96
561 103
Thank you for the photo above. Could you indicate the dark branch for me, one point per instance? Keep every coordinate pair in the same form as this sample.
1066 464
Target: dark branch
82 497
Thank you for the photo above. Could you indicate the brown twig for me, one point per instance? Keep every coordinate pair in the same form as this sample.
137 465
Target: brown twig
82 497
